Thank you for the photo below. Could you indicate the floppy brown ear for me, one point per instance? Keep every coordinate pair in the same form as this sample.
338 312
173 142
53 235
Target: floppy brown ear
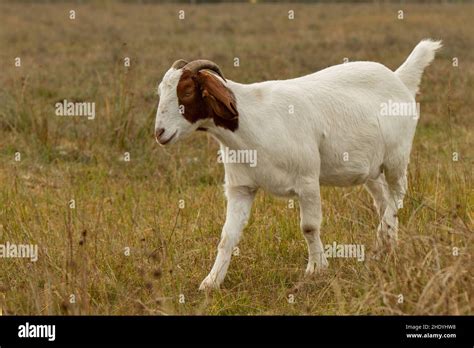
217 97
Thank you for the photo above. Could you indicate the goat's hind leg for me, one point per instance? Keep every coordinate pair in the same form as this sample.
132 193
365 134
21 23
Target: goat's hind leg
378 190
397 187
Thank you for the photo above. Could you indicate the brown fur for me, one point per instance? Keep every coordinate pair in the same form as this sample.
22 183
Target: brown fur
204 96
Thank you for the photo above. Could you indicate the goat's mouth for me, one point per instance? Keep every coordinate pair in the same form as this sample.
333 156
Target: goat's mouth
164 142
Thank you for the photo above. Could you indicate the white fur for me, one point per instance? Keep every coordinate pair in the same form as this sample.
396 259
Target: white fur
336 136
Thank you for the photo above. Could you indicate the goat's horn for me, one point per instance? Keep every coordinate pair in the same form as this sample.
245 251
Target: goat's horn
200 64
179 64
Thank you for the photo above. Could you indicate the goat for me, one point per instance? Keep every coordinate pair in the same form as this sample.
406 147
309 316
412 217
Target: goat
326 128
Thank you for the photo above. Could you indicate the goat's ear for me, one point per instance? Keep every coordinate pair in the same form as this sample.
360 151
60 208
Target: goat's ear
218 97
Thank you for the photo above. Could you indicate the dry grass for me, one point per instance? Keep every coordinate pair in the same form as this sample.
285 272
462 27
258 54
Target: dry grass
135 204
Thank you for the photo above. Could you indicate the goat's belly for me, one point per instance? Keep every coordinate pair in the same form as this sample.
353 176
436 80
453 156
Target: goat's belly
344 179
351 157
348 174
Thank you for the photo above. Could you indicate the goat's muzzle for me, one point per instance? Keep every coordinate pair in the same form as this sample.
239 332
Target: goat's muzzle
159 136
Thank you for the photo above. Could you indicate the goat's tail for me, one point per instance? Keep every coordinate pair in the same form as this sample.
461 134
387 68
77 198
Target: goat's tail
411 70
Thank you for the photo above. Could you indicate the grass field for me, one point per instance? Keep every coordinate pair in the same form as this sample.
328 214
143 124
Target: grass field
130 246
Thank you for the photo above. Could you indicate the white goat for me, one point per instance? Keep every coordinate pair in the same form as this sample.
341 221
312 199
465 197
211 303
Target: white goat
342 126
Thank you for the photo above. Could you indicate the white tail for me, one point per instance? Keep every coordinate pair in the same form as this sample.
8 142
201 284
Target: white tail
411 70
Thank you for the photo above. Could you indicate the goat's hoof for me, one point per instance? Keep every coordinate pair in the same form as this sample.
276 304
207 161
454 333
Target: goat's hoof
314 267
208 284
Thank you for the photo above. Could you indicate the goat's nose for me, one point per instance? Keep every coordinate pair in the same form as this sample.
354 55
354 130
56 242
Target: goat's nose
158 133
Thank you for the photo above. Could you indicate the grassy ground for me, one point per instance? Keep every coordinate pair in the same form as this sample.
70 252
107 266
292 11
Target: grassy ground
136 204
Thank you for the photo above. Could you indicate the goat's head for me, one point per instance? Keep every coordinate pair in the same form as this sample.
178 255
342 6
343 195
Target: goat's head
190 97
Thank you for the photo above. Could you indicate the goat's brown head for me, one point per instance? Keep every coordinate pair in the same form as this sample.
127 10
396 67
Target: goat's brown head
190 98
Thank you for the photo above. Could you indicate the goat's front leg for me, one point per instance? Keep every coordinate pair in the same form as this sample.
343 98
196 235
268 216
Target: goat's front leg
239 204
311 217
